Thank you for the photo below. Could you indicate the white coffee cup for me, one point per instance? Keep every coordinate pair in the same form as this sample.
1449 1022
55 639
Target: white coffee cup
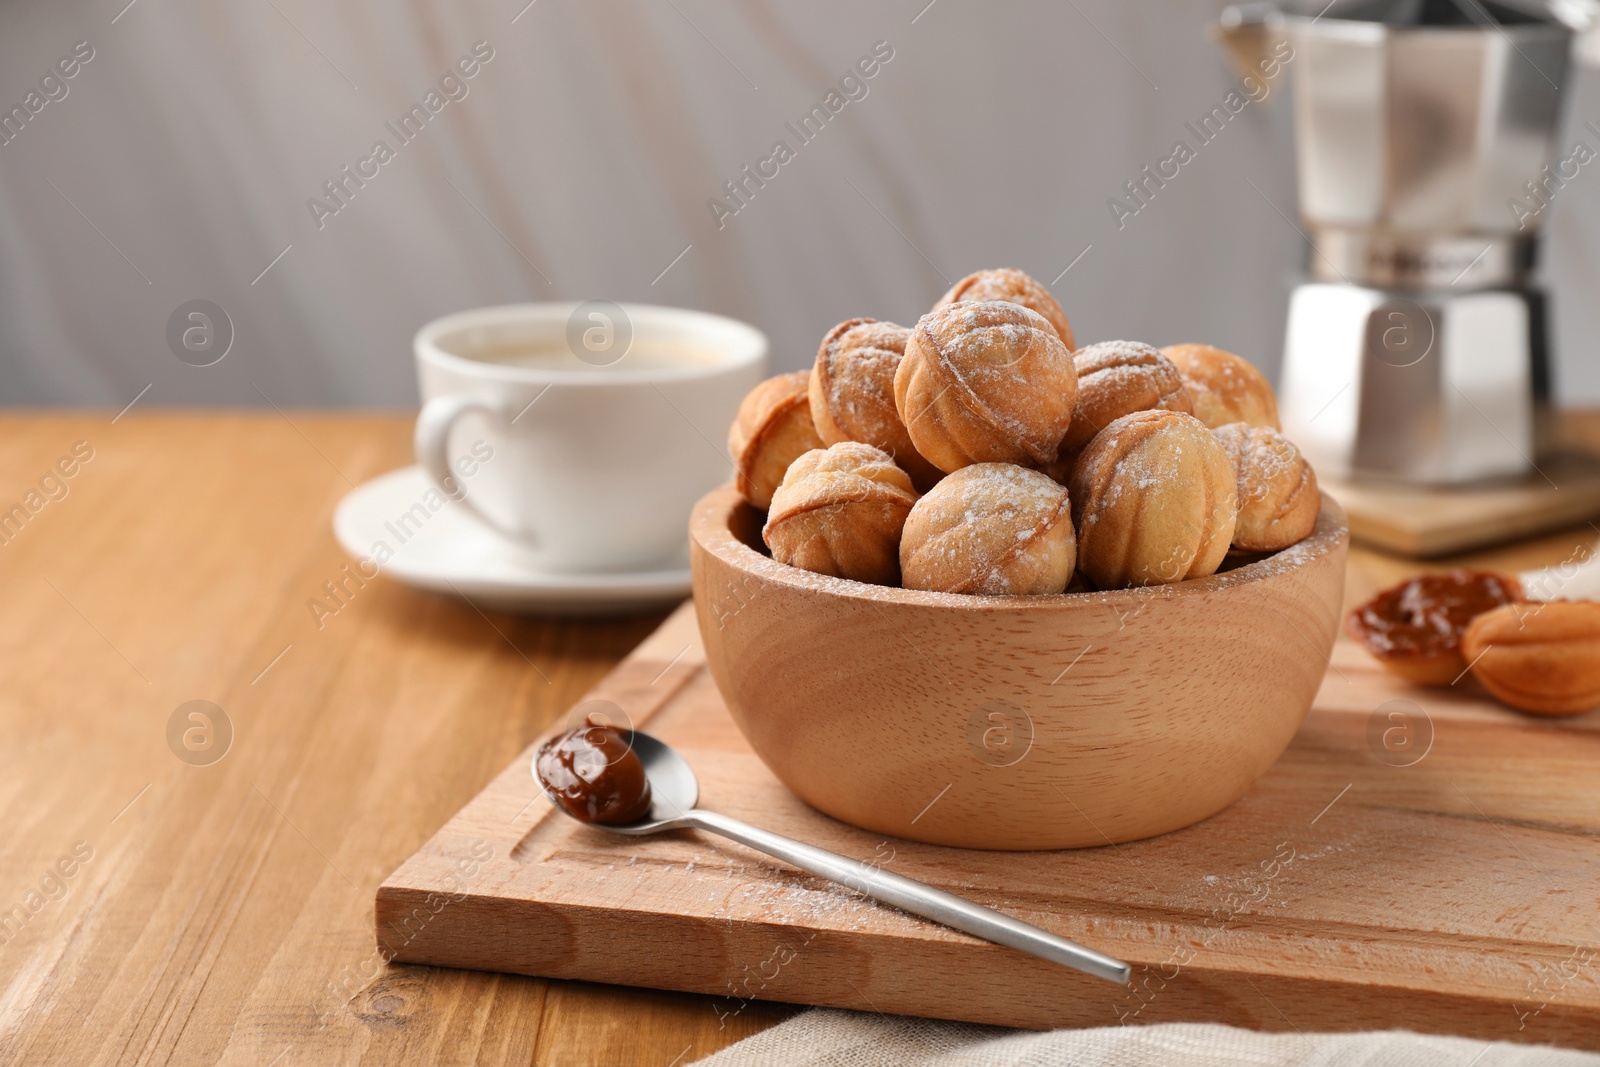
584 432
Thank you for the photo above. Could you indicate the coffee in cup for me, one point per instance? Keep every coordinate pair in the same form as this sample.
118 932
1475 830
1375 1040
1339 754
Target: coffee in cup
590 429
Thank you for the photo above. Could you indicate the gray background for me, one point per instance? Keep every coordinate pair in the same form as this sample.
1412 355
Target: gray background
580 164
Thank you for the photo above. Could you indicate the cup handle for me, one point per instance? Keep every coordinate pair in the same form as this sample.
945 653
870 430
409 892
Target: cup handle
432 445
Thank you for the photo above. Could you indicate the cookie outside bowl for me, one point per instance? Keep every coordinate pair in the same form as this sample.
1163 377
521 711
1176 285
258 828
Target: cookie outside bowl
1027 722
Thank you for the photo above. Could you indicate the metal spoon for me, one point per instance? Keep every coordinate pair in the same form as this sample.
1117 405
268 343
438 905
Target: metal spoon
675 790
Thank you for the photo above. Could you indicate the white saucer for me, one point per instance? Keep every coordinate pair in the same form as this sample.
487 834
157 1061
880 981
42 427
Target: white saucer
453 552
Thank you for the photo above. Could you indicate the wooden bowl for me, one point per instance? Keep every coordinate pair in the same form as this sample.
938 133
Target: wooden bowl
1014 722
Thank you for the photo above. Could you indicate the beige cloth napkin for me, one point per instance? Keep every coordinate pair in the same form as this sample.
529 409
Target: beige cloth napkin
828 1038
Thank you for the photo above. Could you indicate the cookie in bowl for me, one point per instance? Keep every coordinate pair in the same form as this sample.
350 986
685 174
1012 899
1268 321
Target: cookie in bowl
852 393
985 382
1156 500
1015 287
1278 497
839 511
772 429
1224 387
1117 378
990 528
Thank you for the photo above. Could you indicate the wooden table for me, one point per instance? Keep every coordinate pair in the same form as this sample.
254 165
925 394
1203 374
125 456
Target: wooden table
169 908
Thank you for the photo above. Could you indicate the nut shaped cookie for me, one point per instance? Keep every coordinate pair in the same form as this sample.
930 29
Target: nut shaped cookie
839 511
1155 498
1013 286
1224 387
852 393
990 528
1278 498
1117 378
772 429
985 382
1541 658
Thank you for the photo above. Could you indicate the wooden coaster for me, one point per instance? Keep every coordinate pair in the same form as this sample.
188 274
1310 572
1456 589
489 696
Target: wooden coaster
1423 523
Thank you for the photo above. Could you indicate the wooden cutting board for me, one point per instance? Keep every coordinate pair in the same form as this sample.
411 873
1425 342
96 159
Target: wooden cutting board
1425 523
1417 859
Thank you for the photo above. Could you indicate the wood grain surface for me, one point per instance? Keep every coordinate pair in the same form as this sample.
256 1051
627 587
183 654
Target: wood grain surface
1037 722
225 914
